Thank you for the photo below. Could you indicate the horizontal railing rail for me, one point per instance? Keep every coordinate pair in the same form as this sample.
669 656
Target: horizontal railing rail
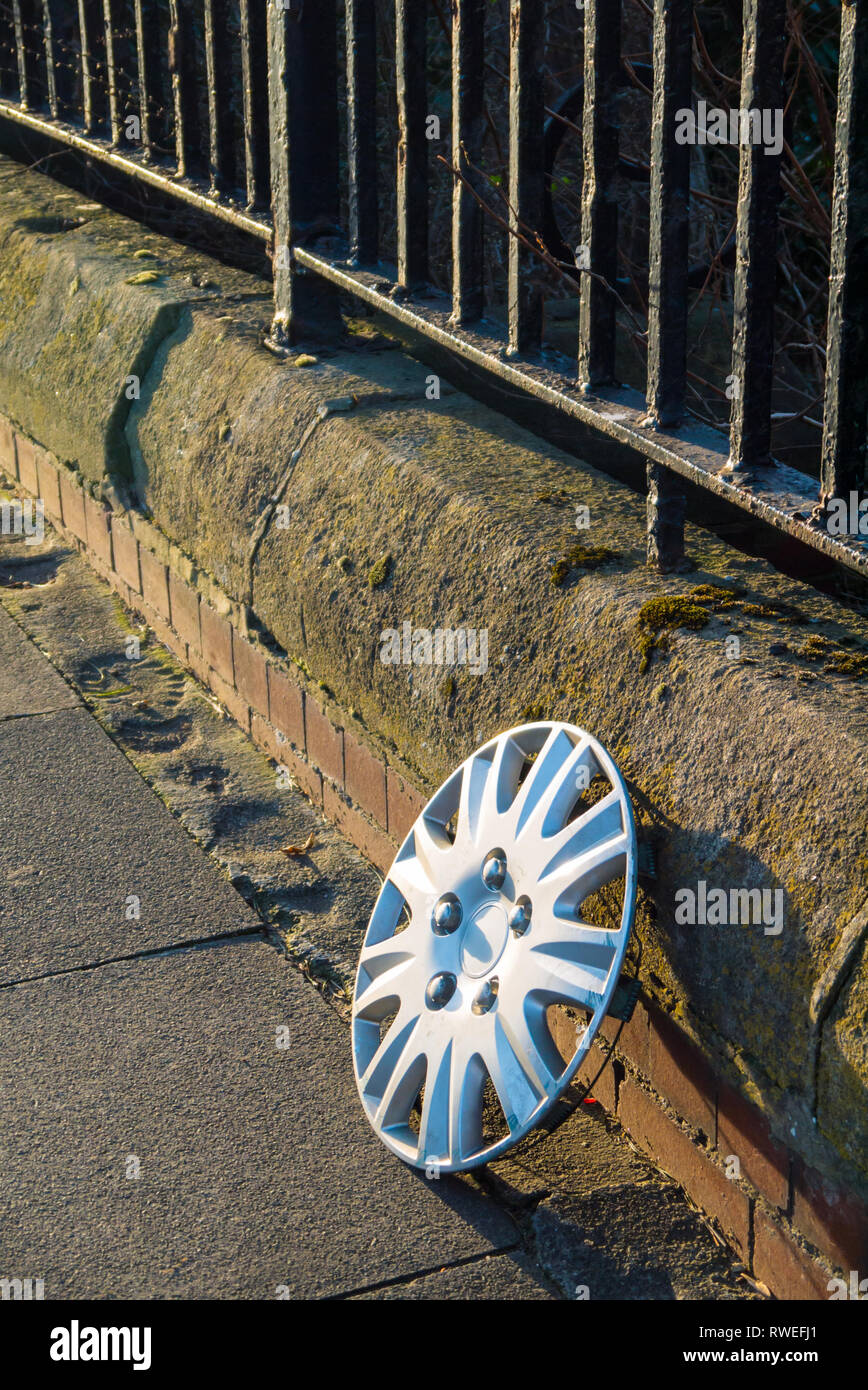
234 107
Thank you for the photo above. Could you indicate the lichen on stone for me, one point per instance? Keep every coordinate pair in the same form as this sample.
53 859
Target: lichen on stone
380 571
532 712
144 277
447 688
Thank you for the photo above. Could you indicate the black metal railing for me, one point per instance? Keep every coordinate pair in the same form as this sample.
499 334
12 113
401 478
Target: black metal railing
236 109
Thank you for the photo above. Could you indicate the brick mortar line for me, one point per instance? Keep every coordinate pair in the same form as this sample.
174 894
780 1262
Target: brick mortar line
363 826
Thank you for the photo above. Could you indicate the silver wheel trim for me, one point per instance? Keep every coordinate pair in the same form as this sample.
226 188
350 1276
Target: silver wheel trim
431 973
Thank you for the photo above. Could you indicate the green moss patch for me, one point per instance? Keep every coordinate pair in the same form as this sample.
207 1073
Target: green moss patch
531 713
559 498
780 612
662 615
835 659
581 557
716 596
379 572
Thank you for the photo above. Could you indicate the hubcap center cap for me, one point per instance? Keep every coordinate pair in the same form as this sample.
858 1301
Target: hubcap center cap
485 936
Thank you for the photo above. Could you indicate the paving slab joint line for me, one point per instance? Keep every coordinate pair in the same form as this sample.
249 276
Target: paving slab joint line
30 714
196 943
403 1279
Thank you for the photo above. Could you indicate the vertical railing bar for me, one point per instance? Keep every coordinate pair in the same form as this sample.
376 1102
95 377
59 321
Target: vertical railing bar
666 510
58 57
214 144
412 182
668 270
526 179
599 250
282 326
8 67
176 52
182 76
146 21
112 73
219 93
845 426
24 84
362 130
755 291
49 14
669 247
255 102
303 115
88 77
468 122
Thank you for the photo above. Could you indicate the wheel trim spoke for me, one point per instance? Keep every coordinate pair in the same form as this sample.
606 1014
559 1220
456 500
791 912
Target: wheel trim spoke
516 1092
385 984
409 875
402 1087
474 786
507 764
552 786
388 1052
594 837
435 1125
527 1033
431 844
465 1120
565 980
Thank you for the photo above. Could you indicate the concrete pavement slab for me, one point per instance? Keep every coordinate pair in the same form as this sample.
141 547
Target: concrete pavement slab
258 1174
221 788
28 683
85 845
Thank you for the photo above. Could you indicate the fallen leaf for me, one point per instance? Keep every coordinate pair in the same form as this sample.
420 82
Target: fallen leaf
757 1285
295 851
